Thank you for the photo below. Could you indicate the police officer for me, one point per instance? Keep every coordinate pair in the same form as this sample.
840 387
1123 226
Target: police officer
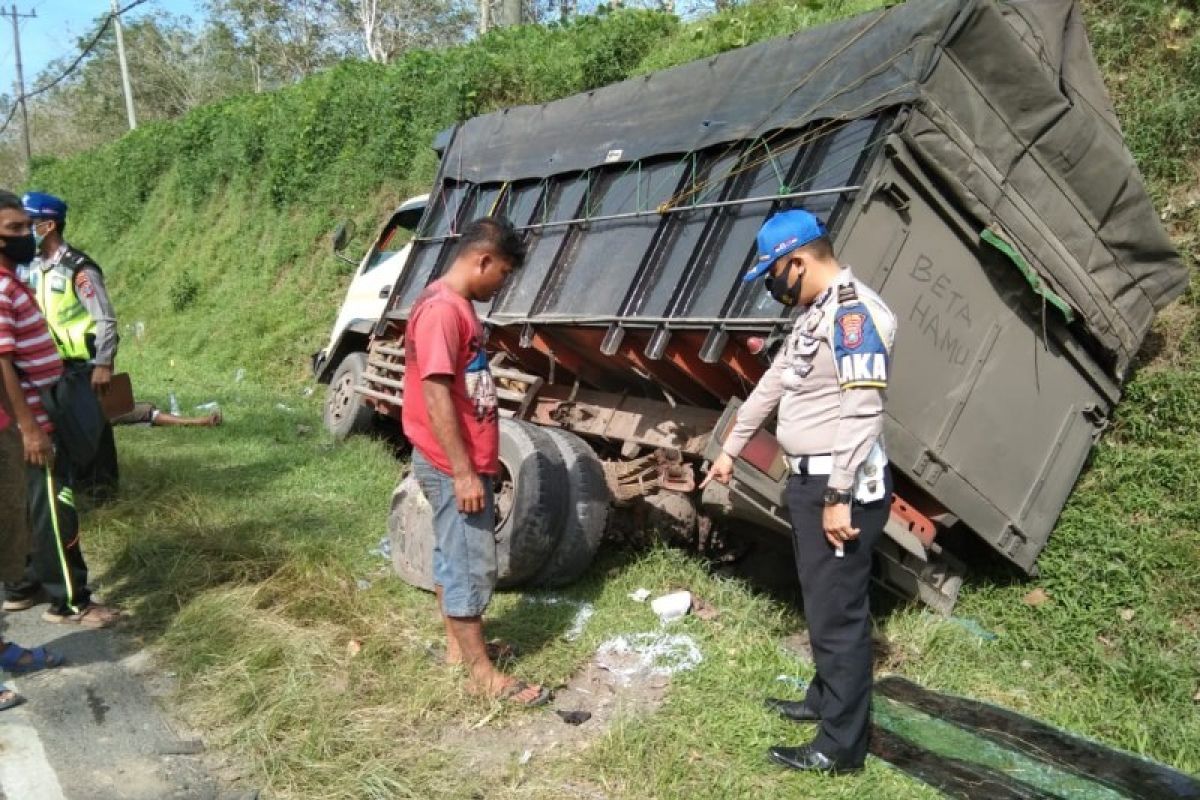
828 383
70 290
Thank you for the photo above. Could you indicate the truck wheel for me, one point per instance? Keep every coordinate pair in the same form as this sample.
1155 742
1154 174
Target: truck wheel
530 502
588 502
345 412
410 531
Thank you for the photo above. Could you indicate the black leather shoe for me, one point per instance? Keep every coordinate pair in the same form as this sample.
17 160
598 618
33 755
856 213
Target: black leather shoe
807 758
794 710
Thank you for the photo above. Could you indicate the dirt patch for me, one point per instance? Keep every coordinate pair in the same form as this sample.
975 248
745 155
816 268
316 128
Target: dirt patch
628 676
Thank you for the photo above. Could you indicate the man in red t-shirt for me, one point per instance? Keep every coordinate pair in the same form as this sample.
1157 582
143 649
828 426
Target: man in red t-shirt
450 416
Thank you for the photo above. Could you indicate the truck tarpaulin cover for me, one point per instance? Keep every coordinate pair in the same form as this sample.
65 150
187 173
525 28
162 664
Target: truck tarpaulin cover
1007 109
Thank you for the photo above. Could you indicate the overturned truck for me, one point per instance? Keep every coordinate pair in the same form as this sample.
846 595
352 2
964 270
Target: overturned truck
967 161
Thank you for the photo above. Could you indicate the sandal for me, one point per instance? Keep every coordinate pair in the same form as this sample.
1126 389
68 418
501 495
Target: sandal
93 616
514 690
19 660
9 699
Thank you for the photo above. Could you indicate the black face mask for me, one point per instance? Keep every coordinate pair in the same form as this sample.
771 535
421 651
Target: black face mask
787 293
19 249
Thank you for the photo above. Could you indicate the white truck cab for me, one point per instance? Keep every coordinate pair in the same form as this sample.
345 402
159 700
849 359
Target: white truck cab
344 358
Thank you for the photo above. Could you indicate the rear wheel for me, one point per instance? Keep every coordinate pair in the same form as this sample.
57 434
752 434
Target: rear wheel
531 506
346 413
588 502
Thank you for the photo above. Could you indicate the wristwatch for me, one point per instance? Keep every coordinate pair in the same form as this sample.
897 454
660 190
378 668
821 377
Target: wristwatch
832 497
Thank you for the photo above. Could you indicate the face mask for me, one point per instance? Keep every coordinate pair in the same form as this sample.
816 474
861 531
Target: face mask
38 238
785 292
19 249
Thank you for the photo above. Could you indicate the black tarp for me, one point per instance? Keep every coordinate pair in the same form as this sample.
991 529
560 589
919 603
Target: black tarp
1008 113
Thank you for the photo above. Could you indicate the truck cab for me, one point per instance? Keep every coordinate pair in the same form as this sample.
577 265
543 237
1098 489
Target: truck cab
344 358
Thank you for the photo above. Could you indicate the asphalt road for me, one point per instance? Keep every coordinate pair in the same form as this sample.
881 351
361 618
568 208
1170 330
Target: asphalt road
93 728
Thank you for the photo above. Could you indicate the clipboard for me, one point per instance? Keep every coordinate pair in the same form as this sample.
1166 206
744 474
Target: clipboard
118 400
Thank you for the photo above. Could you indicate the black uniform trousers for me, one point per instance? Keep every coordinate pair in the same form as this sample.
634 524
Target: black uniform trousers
837 609
99 479
56 564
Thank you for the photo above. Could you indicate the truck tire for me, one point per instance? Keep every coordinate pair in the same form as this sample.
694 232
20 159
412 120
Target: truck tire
588 502
345 411
531 505
410 531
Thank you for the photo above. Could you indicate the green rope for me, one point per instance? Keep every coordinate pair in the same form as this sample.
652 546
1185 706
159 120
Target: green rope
1035 281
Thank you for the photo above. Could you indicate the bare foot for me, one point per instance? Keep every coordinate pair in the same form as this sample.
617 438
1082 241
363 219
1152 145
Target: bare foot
498 651
214 419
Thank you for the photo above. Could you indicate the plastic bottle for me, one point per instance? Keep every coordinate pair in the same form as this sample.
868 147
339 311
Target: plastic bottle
173 401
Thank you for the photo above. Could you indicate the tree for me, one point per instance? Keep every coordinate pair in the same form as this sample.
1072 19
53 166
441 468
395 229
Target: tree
389 27
283 40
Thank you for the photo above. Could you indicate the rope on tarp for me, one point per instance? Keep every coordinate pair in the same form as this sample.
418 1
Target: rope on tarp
1048 295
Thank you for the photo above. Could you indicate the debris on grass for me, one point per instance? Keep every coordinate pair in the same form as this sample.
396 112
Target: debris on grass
973 627
672 606
704 609
1037 597
573 717
648 654
353 647
639 596
583 612
383 549
1127 614
524 759
791 680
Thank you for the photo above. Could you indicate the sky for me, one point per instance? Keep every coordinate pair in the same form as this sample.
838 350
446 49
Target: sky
57 28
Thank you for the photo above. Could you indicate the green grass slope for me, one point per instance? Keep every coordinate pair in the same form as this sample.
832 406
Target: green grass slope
244 552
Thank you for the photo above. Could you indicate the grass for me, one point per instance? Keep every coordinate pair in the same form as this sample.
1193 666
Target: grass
244 553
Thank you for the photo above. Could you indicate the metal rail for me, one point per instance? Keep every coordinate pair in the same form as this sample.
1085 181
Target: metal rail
661 212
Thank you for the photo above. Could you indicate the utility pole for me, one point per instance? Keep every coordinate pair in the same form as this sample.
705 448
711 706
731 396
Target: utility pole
21 84
485 13
116 14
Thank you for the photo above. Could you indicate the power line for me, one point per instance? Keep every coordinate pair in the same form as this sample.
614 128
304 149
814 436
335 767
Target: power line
88 48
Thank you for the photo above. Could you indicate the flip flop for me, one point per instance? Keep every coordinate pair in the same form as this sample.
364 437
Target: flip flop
93 616
40 658
509 695
13 700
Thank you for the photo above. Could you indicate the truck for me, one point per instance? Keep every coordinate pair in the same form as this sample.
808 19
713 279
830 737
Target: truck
968 164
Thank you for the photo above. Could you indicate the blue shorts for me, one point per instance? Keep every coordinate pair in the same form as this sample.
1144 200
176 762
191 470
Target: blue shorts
464 549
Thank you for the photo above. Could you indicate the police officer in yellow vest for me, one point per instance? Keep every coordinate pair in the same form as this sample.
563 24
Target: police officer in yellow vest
69 287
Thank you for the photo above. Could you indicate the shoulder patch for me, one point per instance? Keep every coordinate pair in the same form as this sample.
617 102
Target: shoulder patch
84 287
859 351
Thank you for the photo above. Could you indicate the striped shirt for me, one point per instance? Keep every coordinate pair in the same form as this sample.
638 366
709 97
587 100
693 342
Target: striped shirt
25 337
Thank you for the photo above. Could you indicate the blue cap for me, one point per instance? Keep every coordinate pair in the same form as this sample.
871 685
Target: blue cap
40 205
780 235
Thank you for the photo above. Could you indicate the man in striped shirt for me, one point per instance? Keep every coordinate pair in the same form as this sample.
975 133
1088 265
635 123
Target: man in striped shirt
30 364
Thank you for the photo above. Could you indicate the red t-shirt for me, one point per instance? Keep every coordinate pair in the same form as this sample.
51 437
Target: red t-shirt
445 337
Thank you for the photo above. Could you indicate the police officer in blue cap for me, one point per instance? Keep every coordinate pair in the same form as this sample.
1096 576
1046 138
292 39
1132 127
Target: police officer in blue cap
827 385
69 287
